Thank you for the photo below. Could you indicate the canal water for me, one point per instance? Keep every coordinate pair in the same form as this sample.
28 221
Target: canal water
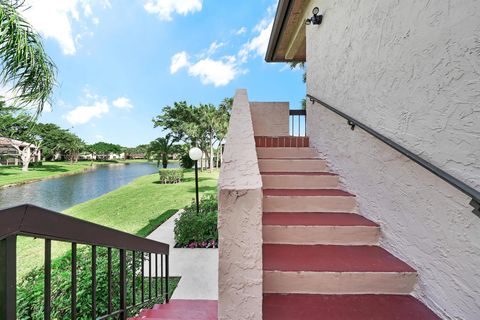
61 193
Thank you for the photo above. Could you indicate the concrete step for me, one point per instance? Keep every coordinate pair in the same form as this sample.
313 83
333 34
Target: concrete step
308 200
319 228
300 180
268 153
281 142
292 165
327 269
341 307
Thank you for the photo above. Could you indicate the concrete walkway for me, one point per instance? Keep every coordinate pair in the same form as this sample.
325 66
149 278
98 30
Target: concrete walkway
198 268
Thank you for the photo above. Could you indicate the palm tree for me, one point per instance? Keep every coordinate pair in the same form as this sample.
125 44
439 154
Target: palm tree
221 126
160 149
71 146
26 67
209 120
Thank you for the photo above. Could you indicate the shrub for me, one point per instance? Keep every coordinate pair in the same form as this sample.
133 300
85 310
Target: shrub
171 175
198 230
185 161
30 288
35 164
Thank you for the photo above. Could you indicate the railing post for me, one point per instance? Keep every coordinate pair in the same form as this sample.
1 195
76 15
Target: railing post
73 292
8 277
47 287
123 287
94 282
167 298
109 281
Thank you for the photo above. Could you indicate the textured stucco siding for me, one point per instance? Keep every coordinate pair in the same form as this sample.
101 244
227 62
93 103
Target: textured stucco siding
410 70
270 118
240 220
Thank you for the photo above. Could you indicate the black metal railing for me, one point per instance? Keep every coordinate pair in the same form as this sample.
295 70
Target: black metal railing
32 221
298 122
460 185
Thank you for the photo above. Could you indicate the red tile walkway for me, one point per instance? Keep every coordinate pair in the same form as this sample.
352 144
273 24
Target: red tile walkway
182 310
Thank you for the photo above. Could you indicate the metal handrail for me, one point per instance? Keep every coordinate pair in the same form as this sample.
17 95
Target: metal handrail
30 220
460 185
33 221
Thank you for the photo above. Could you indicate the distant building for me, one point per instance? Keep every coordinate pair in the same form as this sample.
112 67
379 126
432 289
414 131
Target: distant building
10 154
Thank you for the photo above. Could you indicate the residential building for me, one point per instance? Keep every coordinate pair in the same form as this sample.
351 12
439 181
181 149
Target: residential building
10 151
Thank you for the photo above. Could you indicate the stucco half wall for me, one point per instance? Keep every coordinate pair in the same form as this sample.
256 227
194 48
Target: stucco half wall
410 70
240 219
270 118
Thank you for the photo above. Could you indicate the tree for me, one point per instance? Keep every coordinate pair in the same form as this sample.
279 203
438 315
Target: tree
103 149
25 65
51 136
160 149
181 120
72 146
208 124
224 111
201 126
138 150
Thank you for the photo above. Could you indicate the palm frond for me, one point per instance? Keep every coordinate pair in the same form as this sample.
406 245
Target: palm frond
25 65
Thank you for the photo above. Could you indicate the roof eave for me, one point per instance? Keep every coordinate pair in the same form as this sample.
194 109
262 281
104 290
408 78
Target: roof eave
278 25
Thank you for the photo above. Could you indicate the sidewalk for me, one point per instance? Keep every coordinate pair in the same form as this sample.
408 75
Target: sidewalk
198 268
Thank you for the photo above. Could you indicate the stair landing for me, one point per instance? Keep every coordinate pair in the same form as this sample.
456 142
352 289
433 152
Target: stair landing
179 309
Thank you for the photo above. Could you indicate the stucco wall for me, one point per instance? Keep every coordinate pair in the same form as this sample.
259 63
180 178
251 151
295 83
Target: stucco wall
240 220
410 70
270 118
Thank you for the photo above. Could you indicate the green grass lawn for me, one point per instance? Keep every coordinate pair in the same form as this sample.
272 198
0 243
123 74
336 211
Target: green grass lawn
14 174
138 208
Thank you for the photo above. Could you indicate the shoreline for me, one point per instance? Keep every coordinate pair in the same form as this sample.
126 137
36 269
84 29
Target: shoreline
63 174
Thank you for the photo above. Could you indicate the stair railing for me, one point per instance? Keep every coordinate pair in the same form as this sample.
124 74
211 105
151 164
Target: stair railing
36 222
460 185
298 118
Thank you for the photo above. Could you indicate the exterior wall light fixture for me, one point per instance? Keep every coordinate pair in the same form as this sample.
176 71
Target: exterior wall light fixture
316 19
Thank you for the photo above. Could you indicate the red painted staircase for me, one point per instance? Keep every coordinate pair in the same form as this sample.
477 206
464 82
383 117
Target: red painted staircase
321 260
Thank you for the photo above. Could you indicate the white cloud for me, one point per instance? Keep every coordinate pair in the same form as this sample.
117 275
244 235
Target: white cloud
165 8
216 72
122 103
240 31
214 47
210 71
179 61
54 19
257 45
83 114
221 71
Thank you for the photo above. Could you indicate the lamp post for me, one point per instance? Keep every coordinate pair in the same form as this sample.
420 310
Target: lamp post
196 154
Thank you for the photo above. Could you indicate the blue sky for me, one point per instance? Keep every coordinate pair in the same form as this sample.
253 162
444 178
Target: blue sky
121 61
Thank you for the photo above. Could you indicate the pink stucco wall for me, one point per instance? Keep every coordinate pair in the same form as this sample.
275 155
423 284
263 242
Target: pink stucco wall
240 220
409 69
270 118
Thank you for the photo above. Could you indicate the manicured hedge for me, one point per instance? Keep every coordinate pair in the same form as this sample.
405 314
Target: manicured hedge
194 230
30 288
171 175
